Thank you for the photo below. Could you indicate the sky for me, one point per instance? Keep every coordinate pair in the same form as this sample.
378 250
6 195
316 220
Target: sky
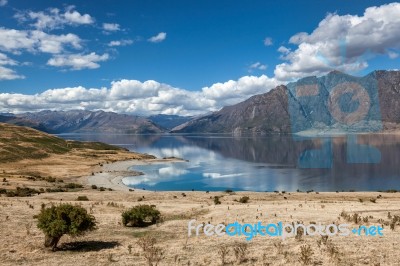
182 57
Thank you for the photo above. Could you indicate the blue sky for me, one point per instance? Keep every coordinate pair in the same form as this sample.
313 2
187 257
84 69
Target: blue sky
215 53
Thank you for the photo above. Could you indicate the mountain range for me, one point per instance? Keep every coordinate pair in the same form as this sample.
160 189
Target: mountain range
77 121
334 102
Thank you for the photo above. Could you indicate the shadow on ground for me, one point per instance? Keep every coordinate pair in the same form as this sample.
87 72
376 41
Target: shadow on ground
89 245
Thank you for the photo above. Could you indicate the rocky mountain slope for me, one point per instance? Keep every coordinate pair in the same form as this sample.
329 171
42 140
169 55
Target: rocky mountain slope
83 122
333 102
169 121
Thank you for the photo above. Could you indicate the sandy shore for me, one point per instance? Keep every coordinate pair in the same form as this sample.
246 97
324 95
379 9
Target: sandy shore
111 175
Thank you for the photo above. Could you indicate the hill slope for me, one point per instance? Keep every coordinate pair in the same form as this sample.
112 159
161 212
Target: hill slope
17 143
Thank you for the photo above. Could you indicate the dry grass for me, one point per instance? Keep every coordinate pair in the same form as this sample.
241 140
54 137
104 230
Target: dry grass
22 243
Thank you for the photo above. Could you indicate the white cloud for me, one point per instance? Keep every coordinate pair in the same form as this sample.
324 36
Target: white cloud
268 41
111 27
232 92
258 66
3 2
142 98
120 43
158 38
48 43
7 73
16 41
53 18
393 55
5 60
342 42
284 50
77 61
73 17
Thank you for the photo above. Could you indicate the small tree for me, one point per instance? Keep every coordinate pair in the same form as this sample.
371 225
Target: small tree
140 216
56 221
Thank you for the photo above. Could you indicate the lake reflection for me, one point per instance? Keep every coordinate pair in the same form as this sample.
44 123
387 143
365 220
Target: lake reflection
219 162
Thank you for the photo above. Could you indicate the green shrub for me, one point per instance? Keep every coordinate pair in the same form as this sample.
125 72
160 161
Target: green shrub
73 185
216 200
50 179
244 199
94 187
140 216
82 198
52 190
21 192
10 194
56 221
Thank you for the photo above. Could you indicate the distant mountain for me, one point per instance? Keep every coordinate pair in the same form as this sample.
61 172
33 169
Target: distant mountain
169 121
308 105
77 121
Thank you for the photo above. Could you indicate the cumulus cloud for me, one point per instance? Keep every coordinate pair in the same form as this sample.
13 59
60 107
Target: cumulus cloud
15 41
158 38
232 92
77 61
342 42
268 41
53 18
111 27
120 43
3 2
142 98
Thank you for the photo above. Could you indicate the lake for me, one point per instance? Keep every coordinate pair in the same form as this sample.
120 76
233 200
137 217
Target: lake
268 163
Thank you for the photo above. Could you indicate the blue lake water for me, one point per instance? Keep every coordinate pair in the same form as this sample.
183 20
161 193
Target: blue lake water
268 163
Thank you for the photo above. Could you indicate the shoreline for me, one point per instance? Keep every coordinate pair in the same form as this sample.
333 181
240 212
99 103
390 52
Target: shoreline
112 174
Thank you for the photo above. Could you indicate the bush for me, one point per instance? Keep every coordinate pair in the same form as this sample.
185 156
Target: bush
94 187
82 198
140 216
306 254
53 190
151 252
10 194
216 200
244 199
73 185
21 192
56 221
